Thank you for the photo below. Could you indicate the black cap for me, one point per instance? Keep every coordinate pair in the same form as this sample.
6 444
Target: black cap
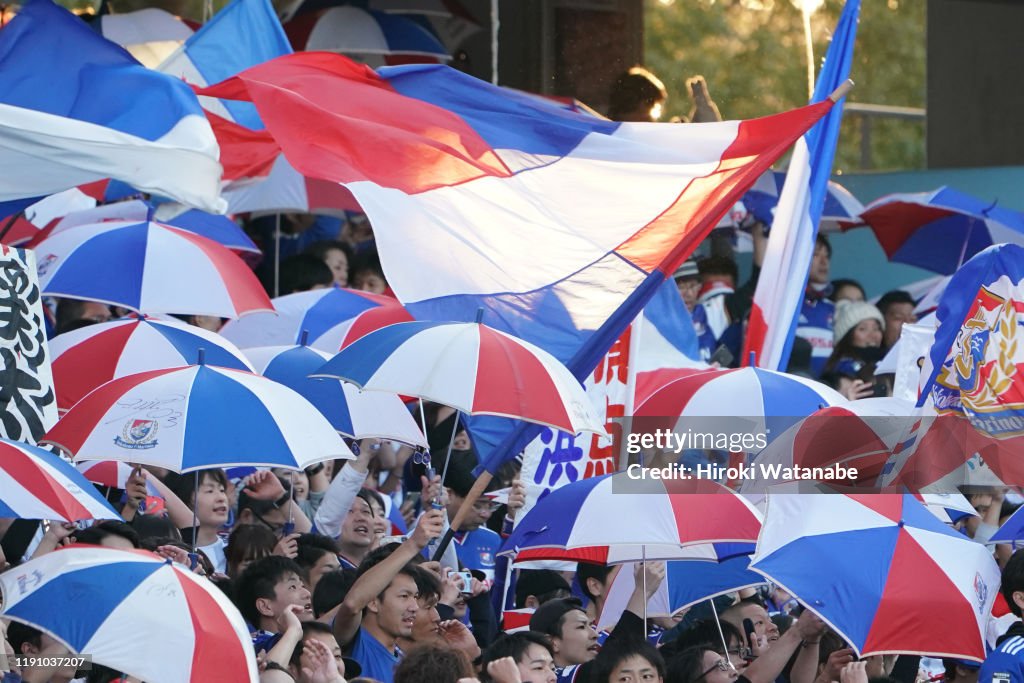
547 616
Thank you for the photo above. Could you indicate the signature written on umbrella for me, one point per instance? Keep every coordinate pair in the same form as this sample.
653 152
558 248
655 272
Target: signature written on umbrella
165 409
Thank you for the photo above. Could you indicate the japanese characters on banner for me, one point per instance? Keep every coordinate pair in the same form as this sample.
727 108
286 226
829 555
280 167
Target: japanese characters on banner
556 458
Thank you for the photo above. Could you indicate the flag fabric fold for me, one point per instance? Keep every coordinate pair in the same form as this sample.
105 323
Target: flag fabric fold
76 108
787 261
560 226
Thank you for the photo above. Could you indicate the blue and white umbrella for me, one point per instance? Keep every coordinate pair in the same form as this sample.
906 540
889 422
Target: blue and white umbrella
354 413
355 31
132 611
197 417
686 583
841 207
323 315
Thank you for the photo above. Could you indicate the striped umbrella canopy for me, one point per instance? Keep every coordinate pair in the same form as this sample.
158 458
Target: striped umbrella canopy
87 357
882 571
602 512
36 484
133 611
150 268
468 366
198 417
354 413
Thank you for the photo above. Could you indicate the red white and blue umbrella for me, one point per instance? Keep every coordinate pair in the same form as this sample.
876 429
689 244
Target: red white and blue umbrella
151 35
841 207
36 484
87 357
354 413
220 229
325 316
134 612
940 230
149 268
355 31
470 367
770 401
686 584
112 473
198 417
600 514
882 571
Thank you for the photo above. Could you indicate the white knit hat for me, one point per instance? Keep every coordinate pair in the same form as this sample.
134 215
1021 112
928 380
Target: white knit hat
849 314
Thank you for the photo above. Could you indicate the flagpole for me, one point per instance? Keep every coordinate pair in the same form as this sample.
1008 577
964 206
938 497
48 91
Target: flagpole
277 255
495 24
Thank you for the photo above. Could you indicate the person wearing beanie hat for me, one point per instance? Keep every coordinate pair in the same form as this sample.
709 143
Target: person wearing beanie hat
850 314
857 333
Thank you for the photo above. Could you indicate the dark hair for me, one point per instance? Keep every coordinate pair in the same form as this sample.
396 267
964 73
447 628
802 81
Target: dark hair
634 88
258 581
822 241
312 547
155 526
614 653
368 260
427 583
704 634
371 497
307 628
301 273
896 296
543 584
839 283
718 265
512 645
433 664
184 485
687 665
1013 580
323 247
69 315
18 634
331 590
247 541
110 527
378 555
586 571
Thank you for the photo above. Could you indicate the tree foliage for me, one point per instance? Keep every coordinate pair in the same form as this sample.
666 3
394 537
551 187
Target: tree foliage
752 53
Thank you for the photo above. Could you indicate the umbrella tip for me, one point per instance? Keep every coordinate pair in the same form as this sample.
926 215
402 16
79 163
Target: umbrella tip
202 356
304 338
479 314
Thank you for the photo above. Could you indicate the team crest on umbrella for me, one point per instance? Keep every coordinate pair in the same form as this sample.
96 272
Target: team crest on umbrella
138 434
980 591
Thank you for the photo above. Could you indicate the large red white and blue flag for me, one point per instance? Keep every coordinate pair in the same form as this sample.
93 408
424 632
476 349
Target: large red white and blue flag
560 226
787 261
75 108
243 34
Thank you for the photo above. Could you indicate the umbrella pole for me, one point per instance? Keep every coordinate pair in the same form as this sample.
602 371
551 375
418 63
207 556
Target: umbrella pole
451 443
725 646
10 221
495 24
195 518
963 249
643 560
277 255
474 494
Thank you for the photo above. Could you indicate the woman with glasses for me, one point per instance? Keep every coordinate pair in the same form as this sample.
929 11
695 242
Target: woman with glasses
700 664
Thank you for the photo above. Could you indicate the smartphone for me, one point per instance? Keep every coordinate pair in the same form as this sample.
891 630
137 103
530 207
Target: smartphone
722 355
393 539
879 390
748 629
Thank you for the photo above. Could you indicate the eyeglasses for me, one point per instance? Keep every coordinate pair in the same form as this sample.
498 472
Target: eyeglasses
741 652
721 665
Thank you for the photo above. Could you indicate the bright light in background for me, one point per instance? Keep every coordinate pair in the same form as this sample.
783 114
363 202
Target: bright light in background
808 6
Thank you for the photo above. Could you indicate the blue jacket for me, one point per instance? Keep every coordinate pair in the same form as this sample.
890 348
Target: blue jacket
1006 663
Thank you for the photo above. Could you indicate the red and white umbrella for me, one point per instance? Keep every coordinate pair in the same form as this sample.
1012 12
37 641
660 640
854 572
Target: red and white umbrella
134 612
150 268
85 358
36 484
470 367
592 519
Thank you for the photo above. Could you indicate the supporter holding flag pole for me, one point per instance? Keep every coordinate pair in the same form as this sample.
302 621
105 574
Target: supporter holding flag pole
779 296
475 177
